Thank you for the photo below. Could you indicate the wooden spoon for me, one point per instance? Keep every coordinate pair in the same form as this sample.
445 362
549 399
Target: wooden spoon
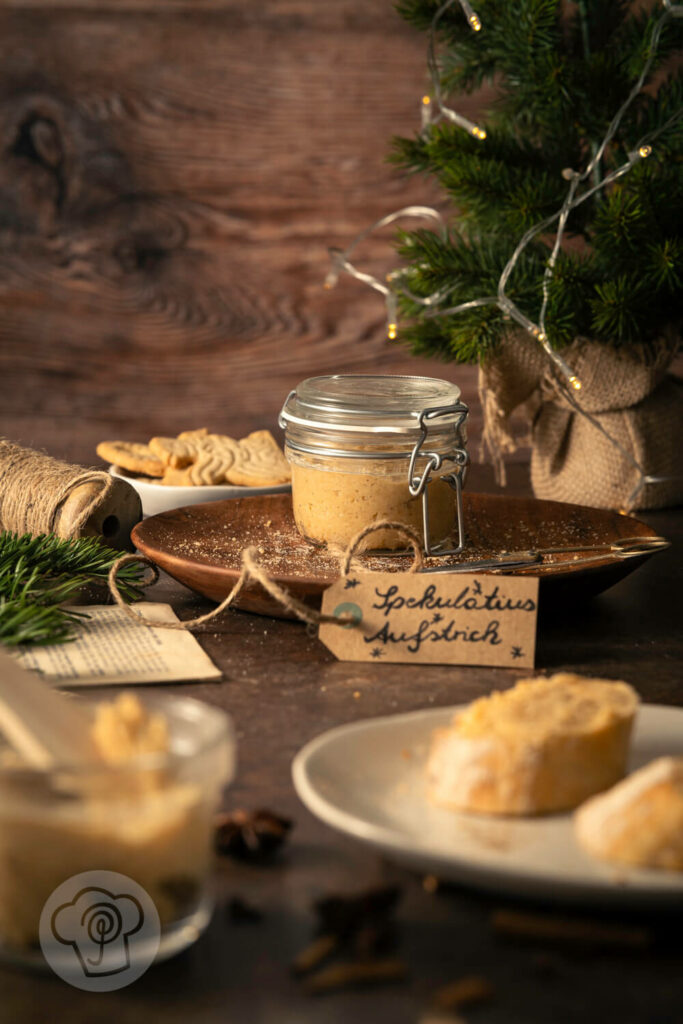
43 725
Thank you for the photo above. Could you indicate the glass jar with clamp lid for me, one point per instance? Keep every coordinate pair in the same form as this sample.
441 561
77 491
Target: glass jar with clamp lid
366 447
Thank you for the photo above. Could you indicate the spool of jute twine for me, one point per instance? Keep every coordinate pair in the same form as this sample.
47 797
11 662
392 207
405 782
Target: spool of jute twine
39 494
251 570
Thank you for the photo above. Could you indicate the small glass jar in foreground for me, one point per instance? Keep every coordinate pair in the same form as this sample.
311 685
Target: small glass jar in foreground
148 817
369 447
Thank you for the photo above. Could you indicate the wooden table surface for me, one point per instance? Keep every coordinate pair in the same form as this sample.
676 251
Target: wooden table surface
171 175
282 688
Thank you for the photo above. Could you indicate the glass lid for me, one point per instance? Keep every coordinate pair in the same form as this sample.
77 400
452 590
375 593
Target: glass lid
369 402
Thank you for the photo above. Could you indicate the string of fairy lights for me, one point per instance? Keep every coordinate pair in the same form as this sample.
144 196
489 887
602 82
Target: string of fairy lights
433 110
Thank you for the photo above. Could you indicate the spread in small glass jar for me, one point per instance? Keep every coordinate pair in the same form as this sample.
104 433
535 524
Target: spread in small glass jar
144 811
370 447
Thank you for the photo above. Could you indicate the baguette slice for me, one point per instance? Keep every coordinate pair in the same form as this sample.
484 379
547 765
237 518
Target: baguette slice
640 820
545 745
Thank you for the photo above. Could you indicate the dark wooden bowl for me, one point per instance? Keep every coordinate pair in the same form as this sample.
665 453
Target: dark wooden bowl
201 546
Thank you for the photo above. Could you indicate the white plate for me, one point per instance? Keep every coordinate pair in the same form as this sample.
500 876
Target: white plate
367 779
156 498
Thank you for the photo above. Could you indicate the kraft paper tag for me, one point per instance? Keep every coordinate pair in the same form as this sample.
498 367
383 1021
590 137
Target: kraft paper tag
456 619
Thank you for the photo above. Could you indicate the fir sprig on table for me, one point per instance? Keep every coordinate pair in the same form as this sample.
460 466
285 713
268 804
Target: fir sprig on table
38 574
561 72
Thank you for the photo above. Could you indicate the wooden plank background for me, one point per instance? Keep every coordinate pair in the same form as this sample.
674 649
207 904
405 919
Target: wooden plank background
171 175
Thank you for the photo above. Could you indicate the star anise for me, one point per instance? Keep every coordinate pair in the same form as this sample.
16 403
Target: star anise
364 922
250 835
361 926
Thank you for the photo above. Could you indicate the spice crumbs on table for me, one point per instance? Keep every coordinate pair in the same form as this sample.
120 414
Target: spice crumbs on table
520 924
470 989
346 975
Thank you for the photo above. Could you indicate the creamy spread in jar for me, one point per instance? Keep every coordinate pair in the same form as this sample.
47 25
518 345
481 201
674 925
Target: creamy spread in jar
334 505
365 447
145 812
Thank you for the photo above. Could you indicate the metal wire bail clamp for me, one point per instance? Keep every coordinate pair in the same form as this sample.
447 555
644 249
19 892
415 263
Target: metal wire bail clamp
418 485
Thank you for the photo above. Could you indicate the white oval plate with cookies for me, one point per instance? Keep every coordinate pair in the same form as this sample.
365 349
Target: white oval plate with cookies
367 779
158 497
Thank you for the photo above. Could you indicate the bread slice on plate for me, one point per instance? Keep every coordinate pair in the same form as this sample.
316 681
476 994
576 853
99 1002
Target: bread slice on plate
545 745
640 820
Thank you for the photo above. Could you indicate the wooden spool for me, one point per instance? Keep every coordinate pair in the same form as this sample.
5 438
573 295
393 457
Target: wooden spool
39 494
111 521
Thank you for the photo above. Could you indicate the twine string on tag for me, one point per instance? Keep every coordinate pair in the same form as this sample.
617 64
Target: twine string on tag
405 531
251 570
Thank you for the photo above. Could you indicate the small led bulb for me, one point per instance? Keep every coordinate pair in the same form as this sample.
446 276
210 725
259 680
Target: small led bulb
392 329
478 132
426 100
575 383
644 151
471 16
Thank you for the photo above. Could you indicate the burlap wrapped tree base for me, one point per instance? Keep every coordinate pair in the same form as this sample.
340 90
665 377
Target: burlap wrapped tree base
631 416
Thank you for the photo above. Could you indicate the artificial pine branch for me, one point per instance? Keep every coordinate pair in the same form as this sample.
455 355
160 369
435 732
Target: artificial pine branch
38 574
561 72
